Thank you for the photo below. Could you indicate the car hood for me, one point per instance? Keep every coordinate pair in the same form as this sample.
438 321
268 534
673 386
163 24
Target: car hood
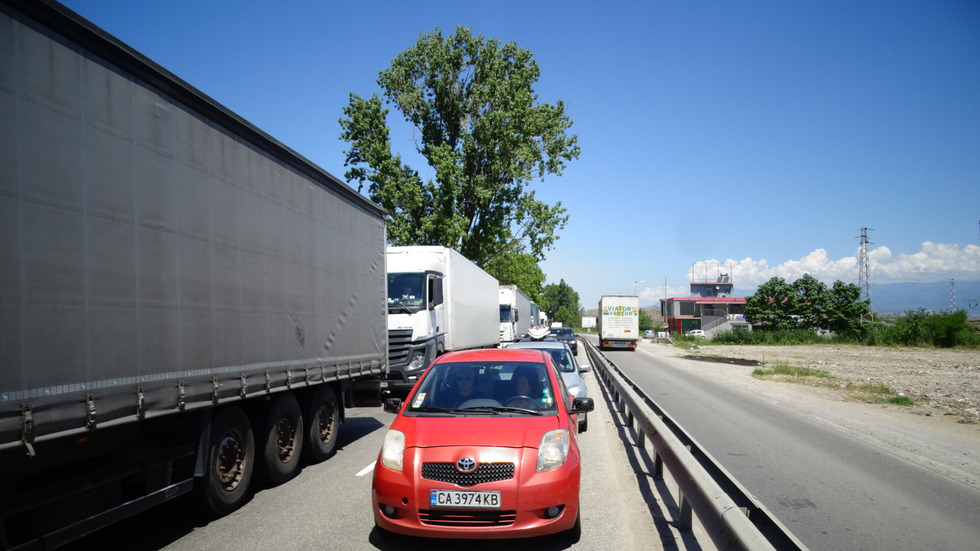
495 431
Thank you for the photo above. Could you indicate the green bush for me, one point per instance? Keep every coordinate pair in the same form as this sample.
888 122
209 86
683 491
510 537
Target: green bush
919 328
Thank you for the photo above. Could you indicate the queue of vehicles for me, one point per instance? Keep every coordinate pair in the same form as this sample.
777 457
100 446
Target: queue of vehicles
188 304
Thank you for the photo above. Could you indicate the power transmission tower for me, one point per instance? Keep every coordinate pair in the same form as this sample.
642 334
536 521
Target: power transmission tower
952 295
864 266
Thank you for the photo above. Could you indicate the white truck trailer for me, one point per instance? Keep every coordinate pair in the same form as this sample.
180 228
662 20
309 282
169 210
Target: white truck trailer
184 301
438 301
517 313
619 322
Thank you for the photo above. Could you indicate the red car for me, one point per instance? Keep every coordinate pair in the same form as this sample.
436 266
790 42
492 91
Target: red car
484 447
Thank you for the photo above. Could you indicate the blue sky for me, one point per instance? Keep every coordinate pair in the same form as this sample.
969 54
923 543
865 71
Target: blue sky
762 135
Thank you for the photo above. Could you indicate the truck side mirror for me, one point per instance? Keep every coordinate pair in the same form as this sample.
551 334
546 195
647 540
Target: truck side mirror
393 405
517 316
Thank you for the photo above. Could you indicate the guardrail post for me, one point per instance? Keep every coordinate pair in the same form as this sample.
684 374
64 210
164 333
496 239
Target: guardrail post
684 514
658 466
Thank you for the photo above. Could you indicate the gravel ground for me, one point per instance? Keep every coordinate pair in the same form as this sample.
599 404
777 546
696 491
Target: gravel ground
938 381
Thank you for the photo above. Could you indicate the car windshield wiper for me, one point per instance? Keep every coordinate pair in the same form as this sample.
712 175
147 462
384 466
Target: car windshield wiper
501 409
480 409
432 409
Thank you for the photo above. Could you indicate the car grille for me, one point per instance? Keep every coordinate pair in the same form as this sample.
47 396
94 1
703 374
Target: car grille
486 472
439 517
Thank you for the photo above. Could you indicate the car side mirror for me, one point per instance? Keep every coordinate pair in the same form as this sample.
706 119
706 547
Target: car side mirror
393 405
584 368
582 405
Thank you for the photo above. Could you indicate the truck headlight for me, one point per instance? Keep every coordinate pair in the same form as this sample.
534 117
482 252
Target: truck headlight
393 450
418 361
553 450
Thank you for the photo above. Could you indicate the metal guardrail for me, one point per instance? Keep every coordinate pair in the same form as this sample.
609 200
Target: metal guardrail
731 516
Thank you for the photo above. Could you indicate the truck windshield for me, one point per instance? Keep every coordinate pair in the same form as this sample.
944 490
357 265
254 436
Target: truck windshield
406 291
505 313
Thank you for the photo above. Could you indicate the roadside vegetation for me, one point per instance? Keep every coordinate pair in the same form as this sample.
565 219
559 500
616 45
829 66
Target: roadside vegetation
915 328
807 311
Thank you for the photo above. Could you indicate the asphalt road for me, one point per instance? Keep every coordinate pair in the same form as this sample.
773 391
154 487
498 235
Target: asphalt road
831 490
328 505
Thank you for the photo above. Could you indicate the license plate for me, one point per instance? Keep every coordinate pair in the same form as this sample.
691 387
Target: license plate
619 345
464 500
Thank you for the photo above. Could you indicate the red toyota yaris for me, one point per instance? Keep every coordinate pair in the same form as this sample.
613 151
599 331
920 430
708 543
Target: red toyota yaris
484 447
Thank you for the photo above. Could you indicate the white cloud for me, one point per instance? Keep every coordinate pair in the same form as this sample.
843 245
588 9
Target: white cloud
654 294
934 262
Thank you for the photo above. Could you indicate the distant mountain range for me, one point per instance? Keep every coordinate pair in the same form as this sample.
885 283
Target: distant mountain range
896 298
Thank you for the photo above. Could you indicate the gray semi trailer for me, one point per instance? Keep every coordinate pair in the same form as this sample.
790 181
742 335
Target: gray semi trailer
184 301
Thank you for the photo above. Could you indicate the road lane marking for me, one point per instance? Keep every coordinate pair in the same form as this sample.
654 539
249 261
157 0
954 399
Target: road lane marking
366 470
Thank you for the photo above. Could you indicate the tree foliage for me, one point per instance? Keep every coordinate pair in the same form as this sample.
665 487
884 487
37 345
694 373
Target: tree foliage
646 322
561 304
807 304
921 328
518 269
484 135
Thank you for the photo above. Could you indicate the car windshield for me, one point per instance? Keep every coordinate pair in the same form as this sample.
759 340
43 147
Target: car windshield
563 332
484 388
562 358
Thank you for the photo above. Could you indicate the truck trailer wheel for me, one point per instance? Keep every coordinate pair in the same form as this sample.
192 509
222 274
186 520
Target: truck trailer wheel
323 423
231 460
282 438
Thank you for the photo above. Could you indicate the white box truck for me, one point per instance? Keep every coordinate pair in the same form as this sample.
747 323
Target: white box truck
619 322
517 313
184 301
438 301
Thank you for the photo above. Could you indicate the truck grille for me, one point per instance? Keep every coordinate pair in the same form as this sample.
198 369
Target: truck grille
399 343
439 517
486 472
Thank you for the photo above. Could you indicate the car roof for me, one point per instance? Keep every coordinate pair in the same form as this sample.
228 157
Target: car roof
539 345
492 354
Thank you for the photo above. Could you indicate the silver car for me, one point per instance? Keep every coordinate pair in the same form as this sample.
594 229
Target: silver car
571 371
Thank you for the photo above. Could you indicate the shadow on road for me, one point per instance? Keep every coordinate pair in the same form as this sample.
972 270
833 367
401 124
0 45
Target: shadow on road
387 541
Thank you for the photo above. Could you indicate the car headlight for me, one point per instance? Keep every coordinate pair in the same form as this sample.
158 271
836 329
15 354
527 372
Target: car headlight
393 450
553 450
574 390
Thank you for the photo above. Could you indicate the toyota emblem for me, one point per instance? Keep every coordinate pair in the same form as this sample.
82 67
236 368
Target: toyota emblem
466 465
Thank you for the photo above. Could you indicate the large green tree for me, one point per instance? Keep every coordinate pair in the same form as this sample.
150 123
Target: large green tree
484 134
561 304
807 303
518 269
770 306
